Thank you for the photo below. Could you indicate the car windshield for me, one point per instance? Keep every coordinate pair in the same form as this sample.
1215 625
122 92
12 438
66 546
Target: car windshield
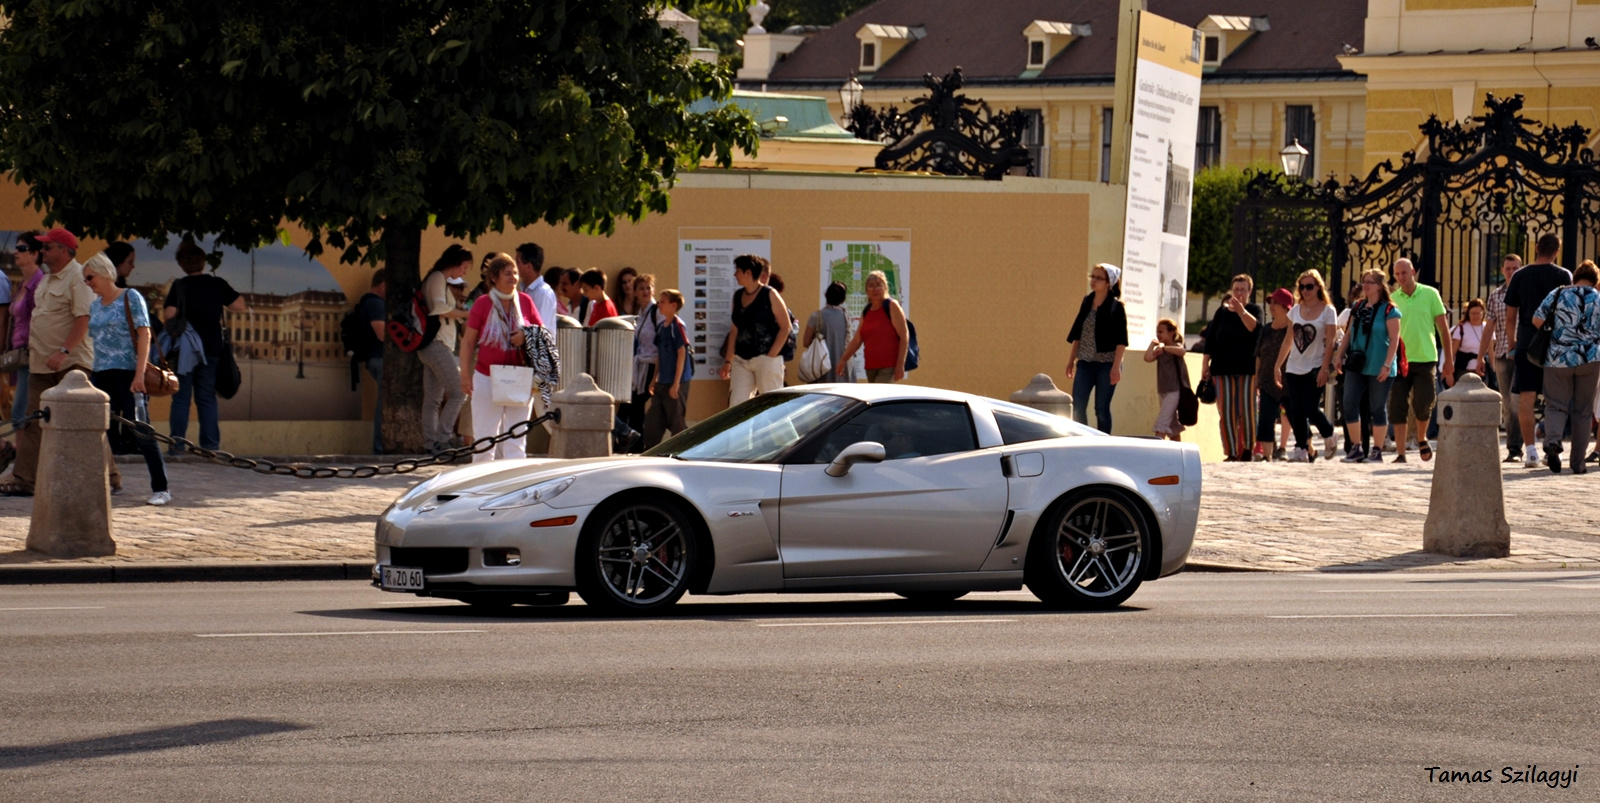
758 431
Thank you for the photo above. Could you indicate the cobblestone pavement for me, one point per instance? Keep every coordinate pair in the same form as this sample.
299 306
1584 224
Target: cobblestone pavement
1272 516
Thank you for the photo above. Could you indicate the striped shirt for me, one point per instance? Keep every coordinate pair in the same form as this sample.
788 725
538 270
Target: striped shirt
1495 315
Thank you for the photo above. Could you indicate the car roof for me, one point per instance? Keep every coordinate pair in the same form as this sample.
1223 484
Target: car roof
873 393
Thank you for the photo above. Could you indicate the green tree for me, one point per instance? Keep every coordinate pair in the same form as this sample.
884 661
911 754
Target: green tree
1217 190
364 121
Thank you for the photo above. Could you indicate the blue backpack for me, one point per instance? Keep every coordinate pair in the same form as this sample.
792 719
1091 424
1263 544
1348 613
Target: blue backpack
913 354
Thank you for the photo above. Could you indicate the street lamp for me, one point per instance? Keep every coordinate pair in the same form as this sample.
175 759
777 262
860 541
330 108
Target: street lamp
849 97
1294 158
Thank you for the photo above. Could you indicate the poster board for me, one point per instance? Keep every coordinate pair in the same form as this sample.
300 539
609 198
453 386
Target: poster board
705 277
848 255
1166 111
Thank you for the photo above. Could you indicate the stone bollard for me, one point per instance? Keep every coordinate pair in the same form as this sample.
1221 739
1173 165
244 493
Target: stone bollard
587 416
72 494
1467 510
1042 394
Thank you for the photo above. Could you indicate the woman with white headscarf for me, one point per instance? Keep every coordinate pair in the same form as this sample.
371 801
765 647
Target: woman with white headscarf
1099 336
494 337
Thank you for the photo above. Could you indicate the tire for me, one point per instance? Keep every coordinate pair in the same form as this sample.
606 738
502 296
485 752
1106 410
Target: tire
546 599
1092 552
932 597
637 554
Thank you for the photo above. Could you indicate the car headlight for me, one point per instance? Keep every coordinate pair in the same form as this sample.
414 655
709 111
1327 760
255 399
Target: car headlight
531 495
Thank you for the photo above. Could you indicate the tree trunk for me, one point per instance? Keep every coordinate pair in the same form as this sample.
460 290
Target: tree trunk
402 371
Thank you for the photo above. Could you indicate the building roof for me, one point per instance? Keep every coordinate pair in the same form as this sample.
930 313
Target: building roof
985 39
787 116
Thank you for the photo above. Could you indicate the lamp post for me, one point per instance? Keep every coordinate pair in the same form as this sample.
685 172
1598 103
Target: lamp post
1294 156
849 98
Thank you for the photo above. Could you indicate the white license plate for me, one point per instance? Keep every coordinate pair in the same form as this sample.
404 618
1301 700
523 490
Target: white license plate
401 578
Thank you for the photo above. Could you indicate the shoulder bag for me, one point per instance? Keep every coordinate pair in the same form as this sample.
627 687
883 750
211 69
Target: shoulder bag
1188 402
1538 349
158 381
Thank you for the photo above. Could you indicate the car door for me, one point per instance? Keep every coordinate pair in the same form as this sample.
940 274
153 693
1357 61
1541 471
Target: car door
935 504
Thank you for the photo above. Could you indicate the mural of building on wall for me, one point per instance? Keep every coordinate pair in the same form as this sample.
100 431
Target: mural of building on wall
286 343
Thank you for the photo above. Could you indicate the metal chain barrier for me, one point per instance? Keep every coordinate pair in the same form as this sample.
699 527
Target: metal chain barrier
24 422
310 472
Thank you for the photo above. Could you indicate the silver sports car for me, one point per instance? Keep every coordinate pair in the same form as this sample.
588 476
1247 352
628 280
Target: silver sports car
920 492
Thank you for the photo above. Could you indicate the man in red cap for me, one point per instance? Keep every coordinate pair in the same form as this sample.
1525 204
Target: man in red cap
58 342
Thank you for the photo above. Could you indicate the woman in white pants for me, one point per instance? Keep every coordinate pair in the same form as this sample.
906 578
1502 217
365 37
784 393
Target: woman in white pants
493 336
442 396
760 330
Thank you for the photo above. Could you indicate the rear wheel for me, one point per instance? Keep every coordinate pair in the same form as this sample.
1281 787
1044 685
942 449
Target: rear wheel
1091 553
636 555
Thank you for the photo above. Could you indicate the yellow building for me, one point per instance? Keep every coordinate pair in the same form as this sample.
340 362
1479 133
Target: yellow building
1272 72
278 327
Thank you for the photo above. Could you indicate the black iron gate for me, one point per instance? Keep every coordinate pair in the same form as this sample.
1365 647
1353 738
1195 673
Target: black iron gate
1479 190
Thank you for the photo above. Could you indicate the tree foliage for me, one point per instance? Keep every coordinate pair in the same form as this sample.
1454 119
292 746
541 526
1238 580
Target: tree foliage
139 117
1217 190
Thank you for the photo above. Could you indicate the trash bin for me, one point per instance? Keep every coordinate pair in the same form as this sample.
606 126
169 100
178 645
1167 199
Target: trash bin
611 362
572 341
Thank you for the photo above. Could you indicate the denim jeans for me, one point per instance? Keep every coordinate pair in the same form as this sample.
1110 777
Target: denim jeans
1093 376
1370 397
117 384
19 405
375 369
200 385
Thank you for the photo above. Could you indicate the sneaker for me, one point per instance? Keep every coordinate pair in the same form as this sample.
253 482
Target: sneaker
1330 445
1512 457
1353 455
1530 457
1375 454
1299 456
1279 453
159 498
1552 457
1594 457
1399 458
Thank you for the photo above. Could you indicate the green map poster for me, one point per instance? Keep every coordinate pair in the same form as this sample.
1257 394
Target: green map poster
849 255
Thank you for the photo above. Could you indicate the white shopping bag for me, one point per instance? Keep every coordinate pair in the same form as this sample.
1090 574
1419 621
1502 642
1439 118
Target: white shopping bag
511 385
816 363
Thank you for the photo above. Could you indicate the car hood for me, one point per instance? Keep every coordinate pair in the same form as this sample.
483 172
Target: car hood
504 476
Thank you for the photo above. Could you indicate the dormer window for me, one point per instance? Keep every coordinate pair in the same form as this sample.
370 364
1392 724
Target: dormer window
1223 34
1047 39
879 43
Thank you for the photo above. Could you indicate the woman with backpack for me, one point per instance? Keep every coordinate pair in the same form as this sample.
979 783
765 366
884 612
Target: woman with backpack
882 334
759 332
1099 336
832 324
1367 359
494 337
442 394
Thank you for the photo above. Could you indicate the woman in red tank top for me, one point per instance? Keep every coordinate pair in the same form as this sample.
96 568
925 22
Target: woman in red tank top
882 332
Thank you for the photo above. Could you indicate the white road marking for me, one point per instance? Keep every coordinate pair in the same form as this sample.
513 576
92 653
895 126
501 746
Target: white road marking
61 608
1451 589
336 633
1389 615
889 622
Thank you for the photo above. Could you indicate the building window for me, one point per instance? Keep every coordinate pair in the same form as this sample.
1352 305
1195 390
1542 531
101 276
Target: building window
869 54
1208 139
1036 53
1105 144
1300 124
1213 50
1033 140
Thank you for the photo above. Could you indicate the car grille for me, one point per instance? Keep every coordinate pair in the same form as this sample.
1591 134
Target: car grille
432 560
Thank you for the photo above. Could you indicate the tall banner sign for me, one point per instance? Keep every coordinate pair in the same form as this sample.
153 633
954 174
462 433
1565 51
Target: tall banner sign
705 277
1166 112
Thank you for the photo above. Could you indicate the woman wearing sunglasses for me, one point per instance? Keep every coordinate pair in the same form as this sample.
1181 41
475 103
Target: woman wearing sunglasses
1305 363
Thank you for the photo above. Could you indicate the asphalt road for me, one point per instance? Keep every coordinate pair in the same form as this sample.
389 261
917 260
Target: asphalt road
1207 687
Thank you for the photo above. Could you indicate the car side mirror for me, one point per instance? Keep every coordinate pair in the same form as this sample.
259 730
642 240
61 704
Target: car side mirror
863 452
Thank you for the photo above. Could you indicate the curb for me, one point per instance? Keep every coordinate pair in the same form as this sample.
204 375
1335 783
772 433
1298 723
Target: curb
1220 568
177 572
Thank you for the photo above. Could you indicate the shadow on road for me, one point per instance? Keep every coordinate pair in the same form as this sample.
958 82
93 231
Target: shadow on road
730 611
147 741
1414 559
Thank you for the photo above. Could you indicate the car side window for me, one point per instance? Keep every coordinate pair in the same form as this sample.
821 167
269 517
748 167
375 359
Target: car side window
906 429
1016 428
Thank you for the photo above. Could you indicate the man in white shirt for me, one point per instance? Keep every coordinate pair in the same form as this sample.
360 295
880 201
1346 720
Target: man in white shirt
530 270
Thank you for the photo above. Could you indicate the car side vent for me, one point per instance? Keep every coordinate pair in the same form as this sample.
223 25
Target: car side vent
448 497
1005 529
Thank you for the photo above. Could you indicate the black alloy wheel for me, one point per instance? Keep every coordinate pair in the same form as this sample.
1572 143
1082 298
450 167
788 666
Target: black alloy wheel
1092 552
636 555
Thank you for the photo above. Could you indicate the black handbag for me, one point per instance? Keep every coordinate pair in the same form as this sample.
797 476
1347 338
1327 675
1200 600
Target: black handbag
1206 392
1538 349
228 377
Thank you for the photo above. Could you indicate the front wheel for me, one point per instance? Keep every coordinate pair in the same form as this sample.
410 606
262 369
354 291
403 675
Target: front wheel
1091 552
636 555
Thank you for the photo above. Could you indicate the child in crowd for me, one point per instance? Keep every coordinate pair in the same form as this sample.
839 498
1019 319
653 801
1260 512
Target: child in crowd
1166 351
593 284
674 369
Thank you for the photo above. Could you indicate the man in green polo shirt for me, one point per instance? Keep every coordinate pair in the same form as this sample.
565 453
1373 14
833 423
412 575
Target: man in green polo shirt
1411 398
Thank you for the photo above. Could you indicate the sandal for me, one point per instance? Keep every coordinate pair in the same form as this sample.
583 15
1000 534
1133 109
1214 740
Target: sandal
8 454
14 488
1425 451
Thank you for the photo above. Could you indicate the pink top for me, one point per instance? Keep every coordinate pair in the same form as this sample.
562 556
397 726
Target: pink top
22 311
490 353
